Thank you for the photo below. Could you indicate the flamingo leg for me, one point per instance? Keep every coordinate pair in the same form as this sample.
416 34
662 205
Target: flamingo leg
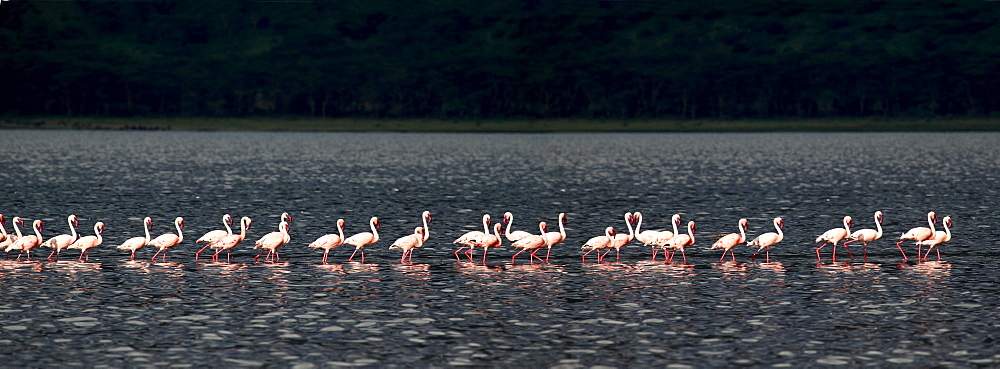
258 255
533 257
202 249
848 251
767 255
133 255
723 254
754 256
352 254
685 256
469 253
154 255
618 255
584 257
919 246
938 253
53 253
484 255
547 254
818 258
515 256
732 254
898 245
456 253
654 253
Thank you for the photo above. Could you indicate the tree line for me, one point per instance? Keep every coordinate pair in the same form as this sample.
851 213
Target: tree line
506 59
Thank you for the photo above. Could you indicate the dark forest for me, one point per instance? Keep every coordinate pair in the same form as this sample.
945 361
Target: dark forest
507 59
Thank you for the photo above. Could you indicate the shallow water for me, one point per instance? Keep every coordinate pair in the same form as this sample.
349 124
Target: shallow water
791 311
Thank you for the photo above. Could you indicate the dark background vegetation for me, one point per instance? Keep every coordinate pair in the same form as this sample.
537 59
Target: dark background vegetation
505 59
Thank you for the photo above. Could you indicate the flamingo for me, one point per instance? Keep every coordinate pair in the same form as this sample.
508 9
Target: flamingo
330 241
729 241
531 242
135 243
679 242
766 240
665 236
939 238
415 240
597 243
488 241
468 239
647 237
508 219
918 234
11 239
5 239
833 236
212 237
867 235
408 243
84 244
272 241
167 240
554 238
363 239
228 242
620 239
60 242
28 242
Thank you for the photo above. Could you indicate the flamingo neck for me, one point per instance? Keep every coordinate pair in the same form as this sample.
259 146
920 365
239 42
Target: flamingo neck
562 226
145 228
3 228
631 232
847 226
691 232
638 223
781 235
509 224
930 222
72 229
878 228
496 232
17 230
38 232
243 229
541 231
674 224
97 231
229 230
427 231
743 234
340 229
947 232
486 224
180 233
371 223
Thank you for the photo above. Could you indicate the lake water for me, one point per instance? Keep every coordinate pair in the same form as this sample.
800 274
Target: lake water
791 312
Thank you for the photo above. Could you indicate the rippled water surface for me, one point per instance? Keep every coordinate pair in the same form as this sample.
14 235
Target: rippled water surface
438 311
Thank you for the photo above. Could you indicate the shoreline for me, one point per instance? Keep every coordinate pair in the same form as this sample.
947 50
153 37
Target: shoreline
291 124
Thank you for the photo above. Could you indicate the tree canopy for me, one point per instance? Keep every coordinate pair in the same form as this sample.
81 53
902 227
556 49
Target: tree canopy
506 59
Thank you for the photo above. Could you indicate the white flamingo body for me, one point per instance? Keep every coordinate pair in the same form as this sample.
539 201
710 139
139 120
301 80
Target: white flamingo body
649 237
168 240
508 218
330 241
135 243
63 241
938 239
598 243
85 243
766 240
681 241
272 241
730 241
554 238
360 240
833 236
413 241
28 242
661 239
212 237
469 239
868 235
228 242
531 242
918 234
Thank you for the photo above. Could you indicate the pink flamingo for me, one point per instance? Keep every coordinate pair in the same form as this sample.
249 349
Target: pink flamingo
415 240
918 234
648 237
554 238
531 242
228 242
60 242
508 219
272 241
135 243
867 235
664 238
360 240
620 239
766 240
408 243
26 243
84 244
681 241
939 238
330 241
489 241
833 236
212 237
729 241
597 243
167 240
469 238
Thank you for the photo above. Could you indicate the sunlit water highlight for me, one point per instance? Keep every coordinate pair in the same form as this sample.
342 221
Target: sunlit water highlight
439 311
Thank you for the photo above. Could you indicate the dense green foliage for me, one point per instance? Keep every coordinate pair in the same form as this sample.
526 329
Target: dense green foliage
473 59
